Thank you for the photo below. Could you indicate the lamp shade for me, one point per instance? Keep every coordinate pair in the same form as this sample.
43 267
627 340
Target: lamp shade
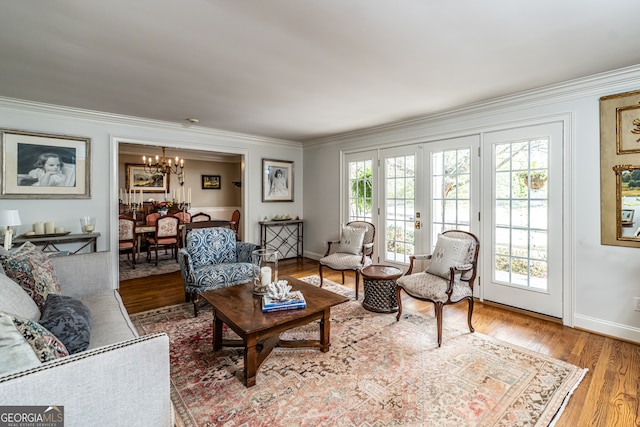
9 218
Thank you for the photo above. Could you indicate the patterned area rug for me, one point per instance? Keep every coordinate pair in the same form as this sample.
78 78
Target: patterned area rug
378 372
166 264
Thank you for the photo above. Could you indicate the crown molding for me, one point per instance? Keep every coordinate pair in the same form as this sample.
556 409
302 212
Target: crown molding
593 85
62 112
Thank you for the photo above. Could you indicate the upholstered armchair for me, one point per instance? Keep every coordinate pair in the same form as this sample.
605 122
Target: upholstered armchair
449 277
352 252
213 259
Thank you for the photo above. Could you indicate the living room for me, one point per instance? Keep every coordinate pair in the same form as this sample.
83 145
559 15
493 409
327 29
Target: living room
599 280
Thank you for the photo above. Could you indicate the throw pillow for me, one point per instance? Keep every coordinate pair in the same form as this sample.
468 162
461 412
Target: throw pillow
32 269
43 343
449 252
13 299
69 320
351 240
15 352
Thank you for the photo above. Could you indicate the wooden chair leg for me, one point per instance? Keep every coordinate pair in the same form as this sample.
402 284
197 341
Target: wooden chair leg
398 289
196 299
357 282
438 311
321 278
469 314
343 277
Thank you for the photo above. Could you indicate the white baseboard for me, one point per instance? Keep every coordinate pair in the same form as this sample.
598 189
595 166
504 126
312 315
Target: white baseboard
610 329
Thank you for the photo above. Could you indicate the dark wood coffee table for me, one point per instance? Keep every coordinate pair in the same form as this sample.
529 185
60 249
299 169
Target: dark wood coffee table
240 310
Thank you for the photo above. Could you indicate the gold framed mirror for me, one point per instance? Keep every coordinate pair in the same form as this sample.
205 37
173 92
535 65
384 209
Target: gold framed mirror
627 202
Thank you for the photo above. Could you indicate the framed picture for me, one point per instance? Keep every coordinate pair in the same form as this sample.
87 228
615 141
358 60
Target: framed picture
277 181
45 166
211 182
138 179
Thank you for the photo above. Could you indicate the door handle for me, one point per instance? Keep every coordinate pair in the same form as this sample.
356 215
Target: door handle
417 225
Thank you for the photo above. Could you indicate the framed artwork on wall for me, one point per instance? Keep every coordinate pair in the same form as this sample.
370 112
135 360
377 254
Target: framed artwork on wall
138 179
211 182
45 166
277 181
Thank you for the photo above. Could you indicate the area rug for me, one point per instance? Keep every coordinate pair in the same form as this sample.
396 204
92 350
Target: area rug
166 264
378 372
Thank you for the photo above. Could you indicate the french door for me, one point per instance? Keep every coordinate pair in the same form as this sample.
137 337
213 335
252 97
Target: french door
522 238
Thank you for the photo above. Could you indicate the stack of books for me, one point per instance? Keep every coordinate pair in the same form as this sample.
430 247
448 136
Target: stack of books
295 300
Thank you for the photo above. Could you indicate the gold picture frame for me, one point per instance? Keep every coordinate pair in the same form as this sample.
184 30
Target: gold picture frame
137 178
619 150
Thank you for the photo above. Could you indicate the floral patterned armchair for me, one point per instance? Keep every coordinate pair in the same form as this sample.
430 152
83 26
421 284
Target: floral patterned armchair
213 259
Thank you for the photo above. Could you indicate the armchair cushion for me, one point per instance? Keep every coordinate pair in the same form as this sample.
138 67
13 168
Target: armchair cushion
351 239
341 261
430 287
449 252
207 247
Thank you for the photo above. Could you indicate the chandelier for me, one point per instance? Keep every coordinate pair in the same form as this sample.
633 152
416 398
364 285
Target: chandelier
164 166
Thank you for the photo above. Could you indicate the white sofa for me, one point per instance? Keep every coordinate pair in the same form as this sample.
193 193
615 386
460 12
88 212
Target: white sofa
122 379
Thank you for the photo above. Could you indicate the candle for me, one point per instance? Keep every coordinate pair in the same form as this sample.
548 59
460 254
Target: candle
59 230
265 276
129 197
88 228
120 193
49 227
38 227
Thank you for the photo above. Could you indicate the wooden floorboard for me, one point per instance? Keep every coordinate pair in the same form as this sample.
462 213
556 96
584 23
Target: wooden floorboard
609 395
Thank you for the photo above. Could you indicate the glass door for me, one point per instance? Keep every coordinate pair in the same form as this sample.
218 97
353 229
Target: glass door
523 233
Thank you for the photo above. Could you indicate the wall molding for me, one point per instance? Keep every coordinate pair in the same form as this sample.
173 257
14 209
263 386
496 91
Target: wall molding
610 329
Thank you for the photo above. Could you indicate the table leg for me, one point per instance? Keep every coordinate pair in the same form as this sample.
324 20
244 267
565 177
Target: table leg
325 327
217 332
250 361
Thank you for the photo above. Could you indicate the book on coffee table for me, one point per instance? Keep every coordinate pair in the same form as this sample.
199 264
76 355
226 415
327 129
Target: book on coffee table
296 300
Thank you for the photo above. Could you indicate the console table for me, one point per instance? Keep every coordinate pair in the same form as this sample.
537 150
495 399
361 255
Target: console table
286 236
50 241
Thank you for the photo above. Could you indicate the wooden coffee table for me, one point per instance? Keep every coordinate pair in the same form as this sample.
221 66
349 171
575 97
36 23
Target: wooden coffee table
240 310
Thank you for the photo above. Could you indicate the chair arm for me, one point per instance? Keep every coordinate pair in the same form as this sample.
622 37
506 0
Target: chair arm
329 243
243 251
413 258
186 269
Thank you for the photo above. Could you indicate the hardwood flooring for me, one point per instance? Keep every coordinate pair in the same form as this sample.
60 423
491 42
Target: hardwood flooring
609 395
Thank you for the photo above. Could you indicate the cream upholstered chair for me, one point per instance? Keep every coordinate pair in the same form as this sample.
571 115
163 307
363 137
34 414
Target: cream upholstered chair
127 237
449 277
355 250
166 235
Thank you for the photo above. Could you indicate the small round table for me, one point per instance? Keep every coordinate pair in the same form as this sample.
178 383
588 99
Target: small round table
380 288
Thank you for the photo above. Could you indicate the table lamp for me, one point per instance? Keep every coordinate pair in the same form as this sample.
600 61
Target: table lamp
9 218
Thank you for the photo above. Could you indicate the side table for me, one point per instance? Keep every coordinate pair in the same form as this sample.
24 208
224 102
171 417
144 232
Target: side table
380 288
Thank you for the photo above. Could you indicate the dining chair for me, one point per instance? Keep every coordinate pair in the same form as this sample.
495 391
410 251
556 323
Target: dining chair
127 239
166 235
355 250
152 218
200 216
235 222
449 277
184 217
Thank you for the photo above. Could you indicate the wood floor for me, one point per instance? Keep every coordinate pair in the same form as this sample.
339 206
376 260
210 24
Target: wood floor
609 395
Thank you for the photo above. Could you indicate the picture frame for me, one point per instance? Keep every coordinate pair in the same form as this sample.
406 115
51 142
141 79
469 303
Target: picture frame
211 182
137 178
277 180
619 166
43 165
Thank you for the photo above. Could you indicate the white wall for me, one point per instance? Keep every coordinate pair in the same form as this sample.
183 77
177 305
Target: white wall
107 130
603 280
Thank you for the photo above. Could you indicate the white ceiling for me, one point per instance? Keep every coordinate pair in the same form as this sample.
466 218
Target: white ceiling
303 69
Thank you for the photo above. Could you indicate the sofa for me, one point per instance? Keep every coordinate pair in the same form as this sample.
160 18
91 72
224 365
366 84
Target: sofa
120 379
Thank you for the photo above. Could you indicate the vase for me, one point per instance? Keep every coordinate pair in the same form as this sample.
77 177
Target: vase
265 269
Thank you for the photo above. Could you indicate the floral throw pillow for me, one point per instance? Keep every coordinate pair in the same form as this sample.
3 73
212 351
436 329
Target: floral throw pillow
32 269
44 344
449 252
351 240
